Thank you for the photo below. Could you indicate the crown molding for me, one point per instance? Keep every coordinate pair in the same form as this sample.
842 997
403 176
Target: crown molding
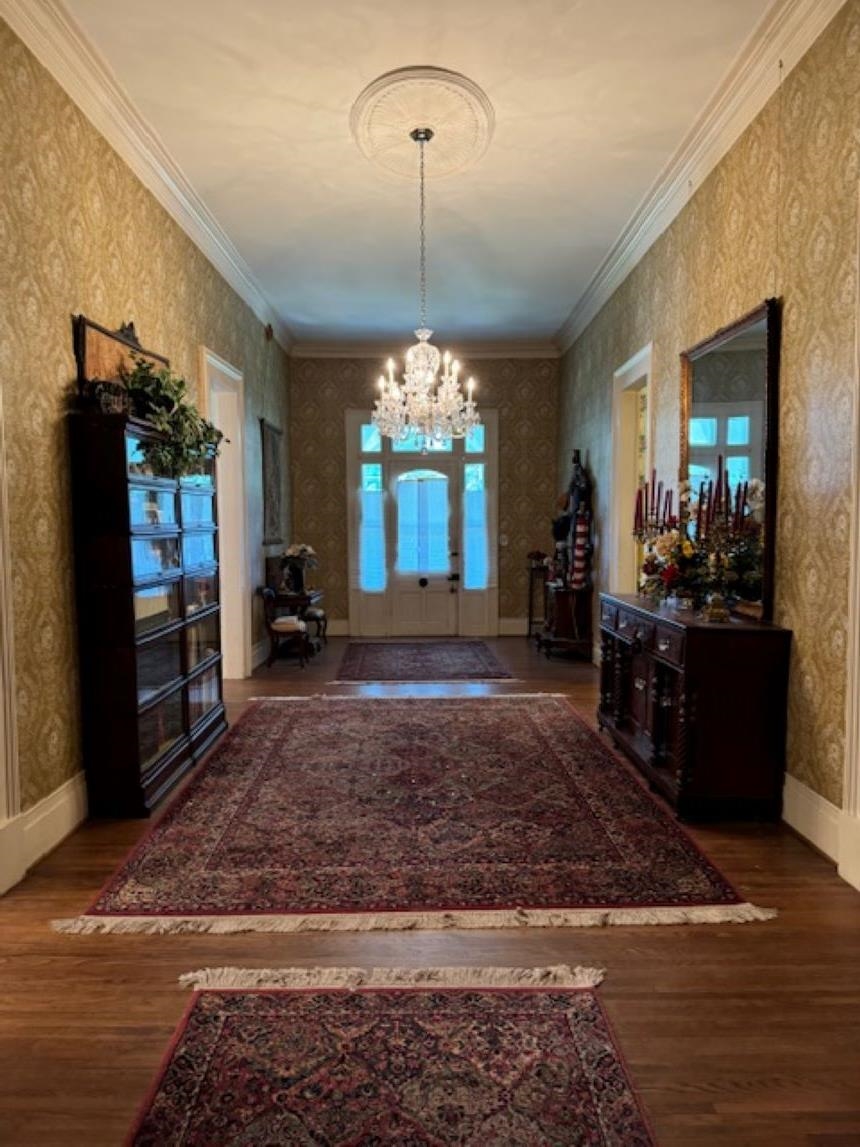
783 36
515 348
49 31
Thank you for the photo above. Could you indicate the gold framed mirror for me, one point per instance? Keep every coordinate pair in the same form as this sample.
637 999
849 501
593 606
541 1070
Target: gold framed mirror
730 427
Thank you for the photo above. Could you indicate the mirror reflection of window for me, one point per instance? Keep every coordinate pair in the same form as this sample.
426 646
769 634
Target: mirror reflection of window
727 410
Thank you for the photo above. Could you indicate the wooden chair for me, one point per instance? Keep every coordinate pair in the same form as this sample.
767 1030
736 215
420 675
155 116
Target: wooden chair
287 632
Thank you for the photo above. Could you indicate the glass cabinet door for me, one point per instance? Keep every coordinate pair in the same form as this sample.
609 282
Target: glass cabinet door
154 606
159 728
159 664
201 590
203 640
153 556
198 509
149 506
198 548
204 694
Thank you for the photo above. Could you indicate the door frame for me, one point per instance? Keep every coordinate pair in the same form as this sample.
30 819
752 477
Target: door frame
627 382
13 861
220 378
365 622
848 857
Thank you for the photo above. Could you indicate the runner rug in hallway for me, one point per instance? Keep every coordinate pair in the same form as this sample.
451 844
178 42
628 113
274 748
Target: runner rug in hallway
330 813
420 661
358 1063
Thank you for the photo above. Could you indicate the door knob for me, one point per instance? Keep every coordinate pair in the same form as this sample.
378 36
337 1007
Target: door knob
454 577
423 582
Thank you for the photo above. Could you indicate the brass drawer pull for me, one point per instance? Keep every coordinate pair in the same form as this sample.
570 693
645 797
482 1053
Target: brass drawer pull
663 645
623 623
639 684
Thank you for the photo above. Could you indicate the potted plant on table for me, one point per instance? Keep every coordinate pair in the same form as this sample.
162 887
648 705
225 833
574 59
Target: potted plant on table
296 559
161 398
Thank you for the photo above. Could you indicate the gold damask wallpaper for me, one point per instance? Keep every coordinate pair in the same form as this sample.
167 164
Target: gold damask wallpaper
778 216
525 392
80 233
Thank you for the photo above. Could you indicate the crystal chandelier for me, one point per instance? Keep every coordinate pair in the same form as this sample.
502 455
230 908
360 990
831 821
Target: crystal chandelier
431 407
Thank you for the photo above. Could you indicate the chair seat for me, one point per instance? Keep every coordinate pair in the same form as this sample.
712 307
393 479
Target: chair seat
288 625
314 614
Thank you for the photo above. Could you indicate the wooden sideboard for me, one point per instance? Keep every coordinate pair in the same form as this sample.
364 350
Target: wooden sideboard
699 707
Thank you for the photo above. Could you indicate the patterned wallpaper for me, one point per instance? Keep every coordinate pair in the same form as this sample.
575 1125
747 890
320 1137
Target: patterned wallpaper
730 376
778 216
83 235
525 392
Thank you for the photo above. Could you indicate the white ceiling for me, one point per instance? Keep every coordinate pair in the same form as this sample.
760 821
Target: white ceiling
252 100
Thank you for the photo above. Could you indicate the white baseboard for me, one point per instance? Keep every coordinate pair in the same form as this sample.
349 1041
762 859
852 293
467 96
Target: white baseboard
812 816
259 653
849 848
513 626
29 836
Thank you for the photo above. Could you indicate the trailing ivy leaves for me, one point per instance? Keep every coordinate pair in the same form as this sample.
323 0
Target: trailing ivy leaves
161 398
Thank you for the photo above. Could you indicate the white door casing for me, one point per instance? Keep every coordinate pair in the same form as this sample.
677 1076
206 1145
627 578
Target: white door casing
222 400
403 607
628 381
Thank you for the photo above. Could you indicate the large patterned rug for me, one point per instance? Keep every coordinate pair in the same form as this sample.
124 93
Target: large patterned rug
420 661
435 1065
394 813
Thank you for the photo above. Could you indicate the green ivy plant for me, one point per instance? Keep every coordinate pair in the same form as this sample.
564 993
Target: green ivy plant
161 398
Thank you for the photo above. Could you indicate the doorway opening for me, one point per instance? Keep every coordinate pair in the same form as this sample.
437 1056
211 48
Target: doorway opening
423 532
631 464
223 402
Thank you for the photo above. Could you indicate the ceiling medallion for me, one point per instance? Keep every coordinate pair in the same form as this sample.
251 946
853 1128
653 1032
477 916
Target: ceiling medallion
449 104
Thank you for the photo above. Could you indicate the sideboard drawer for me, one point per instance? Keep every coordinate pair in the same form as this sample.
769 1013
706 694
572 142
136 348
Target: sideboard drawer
608 615
669 644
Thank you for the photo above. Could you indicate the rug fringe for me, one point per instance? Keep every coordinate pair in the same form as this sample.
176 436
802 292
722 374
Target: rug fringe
437 681
392 697
744 913
558 975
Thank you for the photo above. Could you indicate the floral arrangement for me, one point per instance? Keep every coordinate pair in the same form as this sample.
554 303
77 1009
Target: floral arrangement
673 566
301 554
712 551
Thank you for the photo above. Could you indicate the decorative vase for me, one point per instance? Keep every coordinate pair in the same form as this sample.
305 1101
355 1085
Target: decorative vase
716 609
680 601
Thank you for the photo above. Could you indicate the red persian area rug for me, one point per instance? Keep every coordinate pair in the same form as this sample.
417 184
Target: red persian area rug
398 813
375 1064
411 661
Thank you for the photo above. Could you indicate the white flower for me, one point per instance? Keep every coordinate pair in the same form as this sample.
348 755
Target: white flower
755 494
663 544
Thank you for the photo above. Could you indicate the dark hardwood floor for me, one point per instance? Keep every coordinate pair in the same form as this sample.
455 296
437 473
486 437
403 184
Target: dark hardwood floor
746 1035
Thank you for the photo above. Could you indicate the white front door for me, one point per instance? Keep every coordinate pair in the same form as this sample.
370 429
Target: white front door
425 527
423 533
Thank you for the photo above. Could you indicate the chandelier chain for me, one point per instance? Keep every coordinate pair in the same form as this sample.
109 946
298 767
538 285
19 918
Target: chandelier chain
422 234
424 403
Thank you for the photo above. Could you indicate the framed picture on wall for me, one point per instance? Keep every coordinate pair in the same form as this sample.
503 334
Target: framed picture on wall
272 486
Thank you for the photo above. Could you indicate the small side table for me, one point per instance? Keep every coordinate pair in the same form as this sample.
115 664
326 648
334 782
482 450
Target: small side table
306 606
537 576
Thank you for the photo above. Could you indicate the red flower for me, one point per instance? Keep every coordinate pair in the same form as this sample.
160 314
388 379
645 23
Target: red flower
669 575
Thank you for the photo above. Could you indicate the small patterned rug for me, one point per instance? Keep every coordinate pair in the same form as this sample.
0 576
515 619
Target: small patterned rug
420 661
338 813
434 1065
